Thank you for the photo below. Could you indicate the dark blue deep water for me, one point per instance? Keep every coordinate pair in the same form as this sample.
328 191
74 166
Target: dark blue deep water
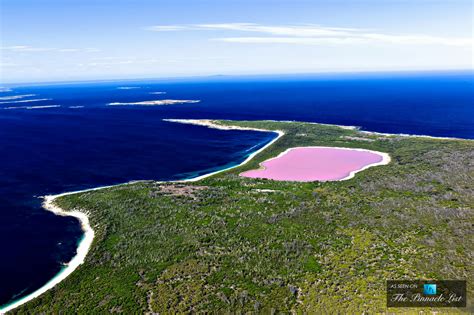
53 150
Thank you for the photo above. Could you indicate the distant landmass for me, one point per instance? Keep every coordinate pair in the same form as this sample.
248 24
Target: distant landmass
156 103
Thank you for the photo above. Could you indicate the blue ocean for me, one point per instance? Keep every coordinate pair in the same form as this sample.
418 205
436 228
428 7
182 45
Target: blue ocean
64 137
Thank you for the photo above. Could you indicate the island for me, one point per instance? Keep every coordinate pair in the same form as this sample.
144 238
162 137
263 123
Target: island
156 102
227 243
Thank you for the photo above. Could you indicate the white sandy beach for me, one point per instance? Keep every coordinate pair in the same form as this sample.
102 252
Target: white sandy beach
88 238
77 260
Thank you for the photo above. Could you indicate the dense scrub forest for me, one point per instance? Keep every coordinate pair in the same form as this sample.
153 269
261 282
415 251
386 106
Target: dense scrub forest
232 244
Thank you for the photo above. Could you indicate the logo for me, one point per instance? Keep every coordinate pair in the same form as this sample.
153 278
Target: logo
429 289
426 293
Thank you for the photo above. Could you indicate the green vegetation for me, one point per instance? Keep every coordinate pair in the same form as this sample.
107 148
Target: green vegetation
233 244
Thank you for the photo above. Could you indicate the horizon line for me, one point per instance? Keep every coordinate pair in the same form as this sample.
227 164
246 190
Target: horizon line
209 76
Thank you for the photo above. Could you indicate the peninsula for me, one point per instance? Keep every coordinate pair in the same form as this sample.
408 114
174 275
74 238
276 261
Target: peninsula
228 243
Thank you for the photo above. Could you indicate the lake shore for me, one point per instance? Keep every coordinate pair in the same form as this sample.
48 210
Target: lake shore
211 123
284 209
385 159
86 242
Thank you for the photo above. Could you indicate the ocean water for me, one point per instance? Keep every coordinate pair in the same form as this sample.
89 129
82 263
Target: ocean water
84 143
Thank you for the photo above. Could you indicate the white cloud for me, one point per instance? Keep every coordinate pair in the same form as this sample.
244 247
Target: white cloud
310 34
117 61
68 50
167 28
92 50
290 40
25 48
8 64
419 39
291 30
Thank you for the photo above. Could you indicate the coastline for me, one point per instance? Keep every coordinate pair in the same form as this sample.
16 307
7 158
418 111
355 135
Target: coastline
348 127
87 240
210 123
406 135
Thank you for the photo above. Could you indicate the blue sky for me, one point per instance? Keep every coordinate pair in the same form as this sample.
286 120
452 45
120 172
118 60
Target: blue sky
51 40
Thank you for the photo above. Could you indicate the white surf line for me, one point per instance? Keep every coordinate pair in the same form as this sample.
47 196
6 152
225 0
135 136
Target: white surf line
77 260
82 249
346 127
15 97
86 242
407 135
27 101
385 160
128 87
82 216
212 124
33 107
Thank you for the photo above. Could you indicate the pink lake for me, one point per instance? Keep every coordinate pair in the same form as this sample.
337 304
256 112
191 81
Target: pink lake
306 164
